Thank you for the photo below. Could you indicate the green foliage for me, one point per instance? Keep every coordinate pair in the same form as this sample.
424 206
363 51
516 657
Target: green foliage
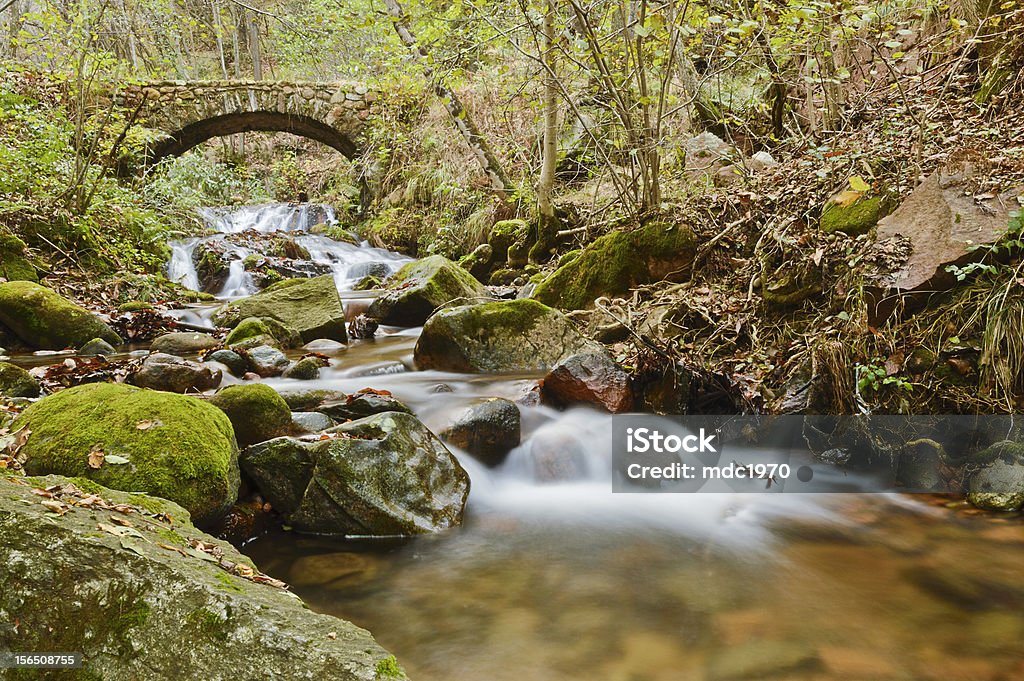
874 377
179 185
388 668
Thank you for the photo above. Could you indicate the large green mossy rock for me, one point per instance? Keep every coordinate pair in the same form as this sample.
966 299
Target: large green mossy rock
420 287
142 603
256 411
312 307
382 475
46 321
13 264
854 219
171 446
16 382
500 337
618 262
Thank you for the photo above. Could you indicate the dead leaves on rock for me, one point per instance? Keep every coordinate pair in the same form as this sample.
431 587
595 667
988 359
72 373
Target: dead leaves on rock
10 447
148 528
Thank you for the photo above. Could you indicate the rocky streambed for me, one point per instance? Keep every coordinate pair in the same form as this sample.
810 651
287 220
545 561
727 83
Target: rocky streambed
426 484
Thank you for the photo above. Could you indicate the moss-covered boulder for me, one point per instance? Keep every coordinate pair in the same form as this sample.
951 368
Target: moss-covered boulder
856 217
420 287
382 475
13 264
618 262
306 369
127 438
500 337
184 343
311 307
478 262
16 382
46 321
263 331
503 234
256 411
140 602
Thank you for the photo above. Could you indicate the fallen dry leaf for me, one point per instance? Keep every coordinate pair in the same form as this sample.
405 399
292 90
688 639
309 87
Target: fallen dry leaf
96 457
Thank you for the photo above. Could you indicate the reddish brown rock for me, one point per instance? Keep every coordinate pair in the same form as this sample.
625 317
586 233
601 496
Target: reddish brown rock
589 378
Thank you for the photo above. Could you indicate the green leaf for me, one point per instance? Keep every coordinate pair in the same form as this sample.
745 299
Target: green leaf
115 459
858 184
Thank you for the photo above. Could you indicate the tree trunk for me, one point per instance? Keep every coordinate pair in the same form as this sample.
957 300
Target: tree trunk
547 222
467 128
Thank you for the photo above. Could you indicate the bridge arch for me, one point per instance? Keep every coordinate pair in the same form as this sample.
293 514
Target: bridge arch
194 134
191 112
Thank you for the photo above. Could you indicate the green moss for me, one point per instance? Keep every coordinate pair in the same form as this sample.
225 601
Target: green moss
367 283
178 447
792 288
857 218
283 336
13 264
338 233
616 262
505 233
420 287
311 307
16 382
256 411
227 582
209 624
45 320
503 277
388 668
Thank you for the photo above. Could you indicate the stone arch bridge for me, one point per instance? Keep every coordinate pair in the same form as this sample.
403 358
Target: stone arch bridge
192 112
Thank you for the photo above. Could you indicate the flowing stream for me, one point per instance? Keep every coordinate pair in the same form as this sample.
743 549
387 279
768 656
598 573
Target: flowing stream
553 577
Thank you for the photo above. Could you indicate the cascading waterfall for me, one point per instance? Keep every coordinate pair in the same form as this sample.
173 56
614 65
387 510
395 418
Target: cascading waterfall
232 225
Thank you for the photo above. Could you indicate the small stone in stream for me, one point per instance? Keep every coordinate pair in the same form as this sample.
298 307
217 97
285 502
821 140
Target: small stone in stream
176 375
377 270
324 345
250 376
97 346
256 412
488 429
16 382
382 369
302 399
367 283
589 378
362 327
557 456
311 421
441 388
234 362
362 404
306 369
382 475
184 343
266 361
